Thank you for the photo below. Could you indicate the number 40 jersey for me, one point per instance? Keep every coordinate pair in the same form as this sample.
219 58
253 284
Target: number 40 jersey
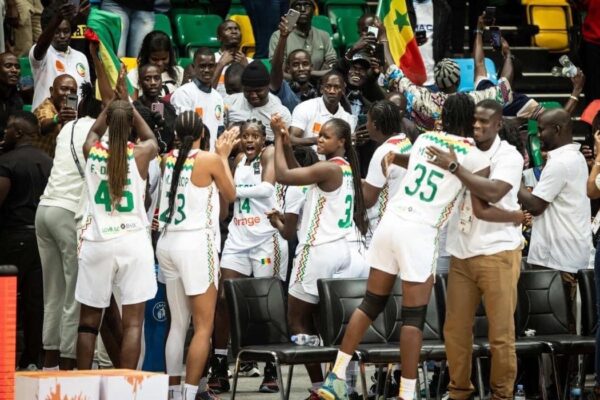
103 220
428 193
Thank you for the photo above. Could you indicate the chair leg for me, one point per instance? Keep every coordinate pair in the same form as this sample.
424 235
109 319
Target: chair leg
388 380
542 378
289 381
363 378
426 378
377 386
282 391
559 393
438 395
418 387
235 376
480 386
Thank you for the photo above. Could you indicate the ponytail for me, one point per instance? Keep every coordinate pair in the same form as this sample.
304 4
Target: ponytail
119 118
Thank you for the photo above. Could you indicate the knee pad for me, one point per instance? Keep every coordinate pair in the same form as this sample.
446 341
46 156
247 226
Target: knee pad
414 316
87 329
373 304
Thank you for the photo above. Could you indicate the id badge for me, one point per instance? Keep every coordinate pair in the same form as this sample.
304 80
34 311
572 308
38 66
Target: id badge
466 215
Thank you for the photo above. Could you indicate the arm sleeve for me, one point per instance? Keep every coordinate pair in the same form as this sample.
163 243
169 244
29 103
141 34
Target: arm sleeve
260 191
330 55
509 169
299 118
273 44
552 181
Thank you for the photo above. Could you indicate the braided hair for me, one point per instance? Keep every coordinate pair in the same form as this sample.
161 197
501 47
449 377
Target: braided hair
458 115
387 117
189 128
119 117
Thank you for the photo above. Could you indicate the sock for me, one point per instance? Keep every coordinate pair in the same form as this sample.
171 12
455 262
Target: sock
316 385
203 385
407 388
55 368
341 363
189 392
221 352
175 392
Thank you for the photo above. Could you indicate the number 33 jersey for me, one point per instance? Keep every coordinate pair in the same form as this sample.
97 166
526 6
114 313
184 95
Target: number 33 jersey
327 216
103 220
195 207
428 193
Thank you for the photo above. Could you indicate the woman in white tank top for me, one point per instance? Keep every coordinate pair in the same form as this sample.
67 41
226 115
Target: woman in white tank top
334 205
115 248
187 250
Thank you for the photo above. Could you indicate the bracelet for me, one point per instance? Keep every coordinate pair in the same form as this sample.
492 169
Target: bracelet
574 98
476 31
55 119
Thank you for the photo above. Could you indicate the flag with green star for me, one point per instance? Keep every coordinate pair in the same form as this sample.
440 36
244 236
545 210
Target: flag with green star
402 41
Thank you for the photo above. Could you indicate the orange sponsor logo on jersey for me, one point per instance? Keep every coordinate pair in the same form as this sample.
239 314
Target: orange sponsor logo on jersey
200 111
60 67
316 128
249 221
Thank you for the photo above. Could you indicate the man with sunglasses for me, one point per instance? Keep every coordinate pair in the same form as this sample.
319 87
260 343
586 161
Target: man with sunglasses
304 36
561 237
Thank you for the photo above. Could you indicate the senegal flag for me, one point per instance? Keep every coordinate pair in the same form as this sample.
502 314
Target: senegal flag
402 41
105 28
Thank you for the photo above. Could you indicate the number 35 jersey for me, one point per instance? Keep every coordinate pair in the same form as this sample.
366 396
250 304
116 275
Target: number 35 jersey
428 193
103 220
195 207
327 216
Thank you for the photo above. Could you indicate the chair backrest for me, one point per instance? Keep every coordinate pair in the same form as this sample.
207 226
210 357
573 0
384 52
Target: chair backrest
197 30
163 24
338 300
335 12
322 22
248 43
554 20
348 30
542 304
393 312
257 312
589 308
467 73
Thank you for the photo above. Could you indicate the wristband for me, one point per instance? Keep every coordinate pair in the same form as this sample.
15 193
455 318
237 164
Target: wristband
597 163
574 98
480 31
55 119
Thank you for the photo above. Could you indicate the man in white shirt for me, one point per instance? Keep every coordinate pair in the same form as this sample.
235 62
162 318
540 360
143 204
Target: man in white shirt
255 101
486 259
310 115
52 56
199 96
561 233
230 37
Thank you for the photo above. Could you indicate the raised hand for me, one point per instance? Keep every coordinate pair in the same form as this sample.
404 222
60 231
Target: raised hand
227 141
440 157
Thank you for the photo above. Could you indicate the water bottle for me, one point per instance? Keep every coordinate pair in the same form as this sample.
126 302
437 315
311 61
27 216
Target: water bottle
575 393
520 394
556 71
303 339
569 69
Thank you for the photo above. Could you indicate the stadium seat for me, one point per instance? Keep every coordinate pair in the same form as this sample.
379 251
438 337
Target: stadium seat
25 67
184 62
322 22
467 73
339 12
194 31
130 63
554 19
248 44
267 63
236 9
163 24
348 31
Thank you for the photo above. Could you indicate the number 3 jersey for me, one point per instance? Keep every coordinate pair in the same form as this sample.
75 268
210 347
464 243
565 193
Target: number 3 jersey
328 216
102 220
195 207
250 226
428 193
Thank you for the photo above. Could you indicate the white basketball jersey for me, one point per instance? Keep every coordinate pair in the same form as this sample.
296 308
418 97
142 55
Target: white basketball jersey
328 216
428 193
195 208
101 220
399 144
250 225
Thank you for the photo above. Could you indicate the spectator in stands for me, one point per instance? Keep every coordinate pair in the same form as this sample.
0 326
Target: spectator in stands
367 41
561 235
255 101
299 67
486 260
233 79
310 115
10 96
158 50
24 171
137 20
230 37
53 113
590 48
52 56
24 17
264 16
425 106
304 36
157 113
57 239
199 96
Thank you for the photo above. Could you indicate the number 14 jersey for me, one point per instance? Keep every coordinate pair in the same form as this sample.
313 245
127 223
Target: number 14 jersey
428 193
102 220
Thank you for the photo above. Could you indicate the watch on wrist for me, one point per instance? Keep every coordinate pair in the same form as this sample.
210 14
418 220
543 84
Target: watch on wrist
452 167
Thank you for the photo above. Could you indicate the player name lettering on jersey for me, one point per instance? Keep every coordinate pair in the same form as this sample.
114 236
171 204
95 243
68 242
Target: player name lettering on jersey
246 221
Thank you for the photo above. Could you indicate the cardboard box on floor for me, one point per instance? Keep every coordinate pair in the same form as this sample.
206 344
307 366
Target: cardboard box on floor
107 384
